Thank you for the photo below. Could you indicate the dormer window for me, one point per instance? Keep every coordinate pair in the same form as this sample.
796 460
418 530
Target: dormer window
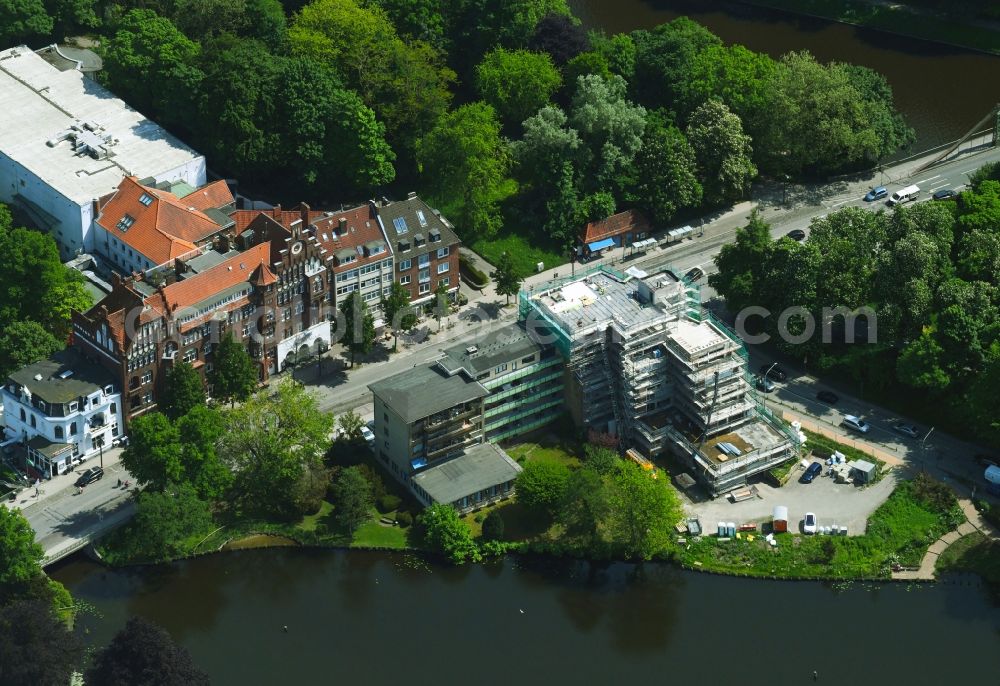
125 222
435 236
400 224
146 199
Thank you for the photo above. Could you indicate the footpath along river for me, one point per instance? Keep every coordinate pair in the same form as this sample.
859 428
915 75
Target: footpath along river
942 91
371 618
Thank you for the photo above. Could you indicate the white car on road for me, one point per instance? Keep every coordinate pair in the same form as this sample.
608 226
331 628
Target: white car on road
809 523
367 434
856 423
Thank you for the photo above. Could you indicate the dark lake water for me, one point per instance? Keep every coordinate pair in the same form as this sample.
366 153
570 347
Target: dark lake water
942 91
393 619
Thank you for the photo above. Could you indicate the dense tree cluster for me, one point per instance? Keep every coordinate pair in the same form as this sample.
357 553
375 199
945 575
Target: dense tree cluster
929 273
37 295
506 114
607 507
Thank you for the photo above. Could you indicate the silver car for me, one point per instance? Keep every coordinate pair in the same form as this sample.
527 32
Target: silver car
907 430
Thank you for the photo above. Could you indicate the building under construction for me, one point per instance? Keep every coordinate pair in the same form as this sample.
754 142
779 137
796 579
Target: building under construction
646 364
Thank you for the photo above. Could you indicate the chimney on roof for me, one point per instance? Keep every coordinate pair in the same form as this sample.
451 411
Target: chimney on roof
304 213
103 310
411 195
385 201
276 212
342 226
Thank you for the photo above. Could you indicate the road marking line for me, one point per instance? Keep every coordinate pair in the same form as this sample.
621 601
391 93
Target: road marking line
930 179
943 185
970 170
842 202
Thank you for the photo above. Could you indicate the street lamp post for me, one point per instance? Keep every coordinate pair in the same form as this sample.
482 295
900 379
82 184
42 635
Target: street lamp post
923 448
764 383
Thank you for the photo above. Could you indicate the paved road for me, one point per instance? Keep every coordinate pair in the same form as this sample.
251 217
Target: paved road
63 520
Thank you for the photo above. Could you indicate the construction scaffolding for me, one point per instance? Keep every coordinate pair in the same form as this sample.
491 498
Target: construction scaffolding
645 363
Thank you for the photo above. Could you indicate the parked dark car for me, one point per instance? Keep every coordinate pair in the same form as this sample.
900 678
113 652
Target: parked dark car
694 274
876 193
945 194
776 373
796 235
90 476
812 471
907 430
827 397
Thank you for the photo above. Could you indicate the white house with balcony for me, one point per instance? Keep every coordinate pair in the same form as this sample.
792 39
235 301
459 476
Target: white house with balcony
62 410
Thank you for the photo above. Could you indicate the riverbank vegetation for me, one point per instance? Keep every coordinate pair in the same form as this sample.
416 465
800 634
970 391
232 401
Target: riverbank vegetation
899 532
928 275
972 553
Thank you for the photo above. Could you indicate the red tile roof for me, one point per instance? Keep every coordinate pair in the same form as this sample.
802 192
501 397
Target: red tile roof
165 228
193 290
215 194
629 221
263 276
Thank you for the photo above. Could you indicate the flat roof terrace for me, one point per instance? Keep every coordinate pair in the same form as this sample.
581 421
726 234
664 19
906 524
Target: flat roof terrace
753 436
594 301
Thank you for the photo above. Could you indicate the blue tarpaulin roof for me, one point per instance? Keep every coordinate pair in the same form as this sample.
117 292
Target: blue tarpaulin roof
601 244
418 463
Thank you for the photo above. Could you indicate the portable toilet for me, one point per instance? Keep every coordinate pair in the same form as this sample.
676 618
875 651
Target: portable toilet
780 519
721 531
731 529
993 479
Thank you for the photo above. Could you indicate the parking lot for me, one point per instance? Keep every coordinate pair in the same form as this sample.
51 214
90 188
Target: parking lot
833 503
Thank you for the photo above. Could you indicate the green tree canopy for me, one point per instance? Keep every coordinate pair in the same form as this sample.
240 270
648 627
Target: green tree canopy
183 389
517 83
445 533
834 117
723 152
25 342
270 442
21 556
30 629
234 375
167 523
505 277
23 20
665 172
155 65
350 423
397 310
643 511
34 283
200 430
463 157
664 59
153 453
358 335
493 526
542 485
143 653
405 83
352 498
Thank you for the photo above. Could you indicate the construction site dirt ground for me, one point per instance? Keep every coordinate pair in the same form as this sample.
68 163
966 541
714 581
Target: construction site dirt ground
841 504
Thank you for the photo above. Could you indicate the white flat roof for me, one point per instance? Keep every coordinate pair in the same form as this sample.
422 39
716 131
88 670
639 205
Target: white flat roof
39 102
695 336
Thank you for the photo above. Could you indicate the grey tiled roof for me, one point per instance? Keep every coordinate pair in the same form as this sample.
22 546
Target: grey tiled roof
86 377
500 346
479 467
390 213
426 390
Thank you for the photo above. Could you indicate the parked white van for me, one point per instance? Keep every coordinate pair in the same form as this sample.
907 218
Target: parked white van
903 195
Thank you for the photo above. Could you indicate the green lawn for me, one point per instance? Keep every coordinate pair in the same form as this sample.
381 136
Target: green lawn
972 553
524 255
545 451
898 532
374 535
